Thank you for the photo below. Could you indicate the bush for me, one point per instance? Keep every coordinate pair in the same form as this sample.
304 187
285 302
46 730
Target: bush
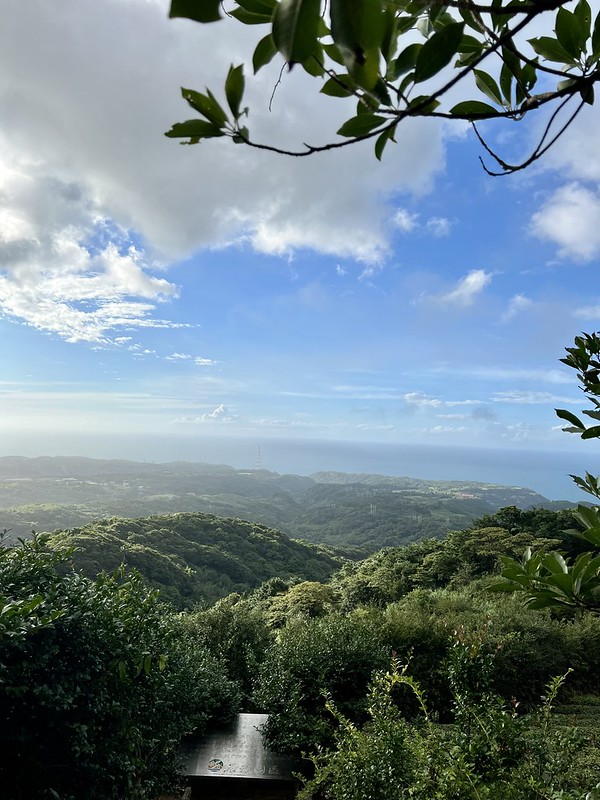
98 681
336 654
490 752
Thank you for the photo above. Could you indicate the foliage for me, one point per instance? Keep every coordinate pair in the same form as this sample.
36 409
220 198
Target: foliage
195 558
98 682
336 654
400 58
236 633
548 579
489 751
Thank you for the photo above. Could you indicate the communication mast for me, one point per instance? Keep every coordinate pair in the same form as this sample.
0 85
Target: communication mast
258 458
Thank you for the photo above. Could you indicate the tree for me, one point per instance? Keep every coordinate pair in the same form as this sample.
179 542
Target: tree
98 681
402 58
549 580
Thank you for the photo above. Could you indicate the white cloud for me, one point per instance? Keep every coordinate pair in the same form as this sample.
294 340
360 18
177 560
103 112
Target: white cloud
92 112
405 221
516 304
438 226
179 357
57 271
570 218
422 400
204 362
588 312
218 414
531 398
467 289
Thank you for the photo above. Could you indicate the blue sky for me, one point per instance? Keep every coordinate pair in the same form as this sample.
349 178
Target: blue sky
188 295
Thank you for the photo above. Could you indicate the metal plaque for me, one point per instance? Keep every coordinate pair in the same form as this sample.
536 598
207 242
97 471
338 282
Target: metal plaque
235 751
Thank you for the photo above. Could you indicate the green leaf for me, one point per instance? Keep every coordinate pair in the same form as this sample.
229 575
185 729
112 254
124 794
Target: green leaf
382 140
596 37
361 125
357 28
551 50
486 84
506 79
314 63
561 413
583 12
234 88
205 105
250 17
295 27
569 32
333 51
587 94
263 53
339 86
198 10
258 6
592 433
469 44
438 51
194 129
424 103
473 109
406 60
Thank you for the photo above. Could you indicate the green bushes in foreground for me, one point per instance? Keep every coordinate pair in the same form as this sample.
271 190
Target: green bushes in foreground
489 753
98 682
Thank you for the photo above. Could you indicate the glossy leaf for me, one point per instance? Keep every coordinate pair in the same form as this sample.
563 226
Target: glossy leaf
438 51
194 129
197 10
361 125
583 12
569 32
357 28
382 140
486 84
406 61
258 6
551 50
250 17
264 52
596 37
339 86
295 26
473 109
561 413
234 88
205 105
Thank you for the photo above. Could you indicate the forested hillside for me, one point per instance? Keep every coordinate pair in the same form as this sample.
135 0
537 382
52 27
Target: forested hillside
369 511
195 558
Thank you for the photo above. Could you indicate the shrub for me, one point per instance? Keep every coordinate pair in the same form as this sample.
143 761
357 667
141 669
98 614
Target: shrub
98 682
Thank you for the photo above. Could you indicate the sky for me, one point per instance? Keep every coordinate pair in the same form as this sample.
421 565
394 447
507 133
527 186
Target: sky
213 302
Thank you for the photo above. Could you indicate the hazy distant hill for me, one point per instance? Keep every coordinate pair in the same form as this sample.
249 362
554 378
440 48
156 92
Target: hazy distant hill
369 511
194 558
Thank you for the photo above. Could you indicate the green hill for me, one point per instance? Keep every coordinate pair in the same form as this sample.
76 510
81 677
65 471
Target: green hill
196 558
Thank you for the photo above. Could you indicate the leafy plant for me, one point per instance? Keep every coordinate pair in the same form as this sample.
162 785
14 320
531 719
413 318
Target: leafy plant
488 752
98 681
399 59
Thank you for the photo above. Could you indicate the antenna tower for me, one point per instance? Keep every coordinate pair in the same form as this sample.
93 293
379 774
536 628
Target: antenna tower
258 458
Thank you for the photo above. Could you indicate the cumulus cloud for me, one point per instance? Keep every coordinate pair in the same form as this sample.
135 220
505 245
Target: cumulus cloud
438 226
405 221
467 289
58 271
570 218
516 304
91 112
